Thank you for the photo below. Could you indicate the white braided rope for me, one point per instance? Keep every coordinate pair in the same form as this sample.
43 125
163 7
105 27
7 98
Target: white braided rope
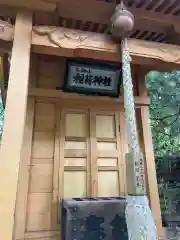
133 143
140 222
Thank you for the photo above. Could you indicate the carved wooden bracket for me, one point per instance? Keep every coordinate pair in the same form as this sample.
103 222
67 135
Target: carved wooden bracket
74 39
63 37
6 31
73 43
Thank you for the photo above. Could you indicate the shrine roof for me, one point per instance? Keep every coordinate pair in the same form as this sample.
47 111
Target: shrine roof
155 20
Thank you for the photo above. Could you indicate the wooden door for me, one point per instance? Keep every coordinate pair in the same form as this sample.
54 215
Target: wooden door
90 152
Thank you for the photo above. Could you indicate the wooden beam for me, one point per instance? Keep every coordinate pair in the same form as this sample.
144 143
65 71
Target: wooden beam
50 93
12 139
36 5
99 16
154 21
23 181
104 12
73 43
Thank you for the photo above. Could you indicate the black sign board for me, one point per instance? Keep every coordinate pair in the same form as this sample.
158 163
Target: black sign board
92 79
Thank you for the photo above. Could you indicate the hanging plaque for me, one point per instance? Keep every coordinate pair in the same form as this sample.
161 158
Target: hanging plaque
87 79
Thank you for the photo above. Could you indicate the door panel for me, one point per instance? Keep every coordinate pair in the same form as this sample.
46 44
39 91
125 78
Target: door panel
75 183
105 126
43 145
107 169
75 125
75 162
108 184
39 212
107 162
39 192
106 146
75 153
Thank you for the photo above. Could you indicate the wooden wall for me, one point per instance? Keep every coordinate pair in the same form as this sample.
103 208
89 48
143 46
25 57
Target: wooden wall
69 151
73 147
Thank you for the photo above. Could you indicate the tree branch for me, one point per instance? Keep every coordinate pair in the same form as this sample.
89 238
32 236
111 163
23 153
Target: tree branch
168 116
166 125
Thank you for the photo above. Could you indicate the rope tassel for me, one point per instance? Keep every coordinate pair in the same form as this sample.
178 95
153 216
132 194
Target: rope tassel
139 218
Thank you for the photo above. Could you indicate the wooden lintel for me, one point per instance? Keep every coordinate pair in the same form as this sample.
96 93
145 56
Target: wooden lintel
72 43
50 93
82 44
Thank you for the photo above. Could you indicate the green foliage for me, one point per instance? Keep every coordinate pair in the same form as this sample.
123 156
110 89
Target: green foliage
164 91
170 197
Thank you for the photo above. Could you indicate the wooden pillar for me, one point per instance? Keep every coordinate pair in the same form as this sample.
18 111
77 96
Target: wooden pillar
12 139
147 146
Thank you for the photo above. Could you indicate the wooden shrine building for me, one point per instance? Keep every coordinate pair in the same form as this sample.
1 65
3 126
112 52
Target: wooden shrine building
61 144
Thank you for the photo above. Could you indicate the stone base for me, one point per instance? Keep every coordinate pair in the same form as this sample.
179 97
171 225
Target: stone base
94 219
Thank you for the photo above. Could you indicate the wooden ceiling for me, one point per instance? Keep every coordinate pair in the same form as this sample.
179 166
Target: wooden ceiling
156 20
